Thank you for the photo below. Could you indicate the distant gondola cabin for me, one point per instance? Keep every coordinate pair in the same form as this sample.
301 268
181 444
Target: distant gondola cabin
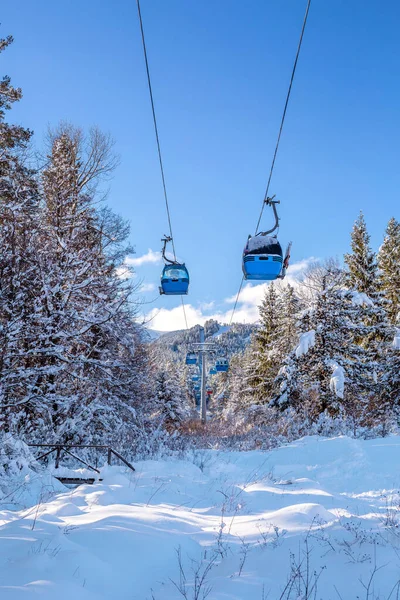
222 365
191 358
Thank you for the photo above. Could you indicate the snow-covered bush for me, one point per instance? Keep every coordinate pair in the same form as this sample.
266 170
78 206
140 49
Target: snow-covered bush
15 458
23 482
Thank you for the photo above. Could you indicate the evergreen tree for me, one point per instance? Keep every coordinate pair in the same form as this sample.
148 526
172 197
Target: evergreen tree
170 400
334 372
90 353
18 275
361 273
239 393
376 333
74 366
389 402
289 307
287 389
389 271
264 363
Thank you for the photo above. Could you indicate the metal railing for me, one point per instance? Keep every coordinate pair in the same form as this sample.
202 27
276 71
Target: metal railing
66 448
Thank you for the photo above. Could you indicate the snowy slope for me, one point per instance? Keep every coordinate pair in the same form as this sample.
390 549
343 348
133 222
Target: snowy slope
152 334
230 339
223 329
250 516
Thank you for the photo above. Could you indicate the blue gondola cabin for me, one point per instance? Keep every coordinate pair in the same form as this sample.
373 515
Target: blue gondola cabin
174 280
191 358
262 258
222 365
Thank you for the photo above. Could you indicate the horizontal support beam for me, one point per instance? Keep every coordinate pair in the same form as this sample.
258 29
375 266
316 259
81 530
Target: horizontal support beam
65 446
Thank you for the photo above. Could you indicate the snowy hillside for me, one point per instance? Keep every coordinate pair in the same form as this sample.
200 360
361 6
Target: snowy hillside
318 518
150 335
231 339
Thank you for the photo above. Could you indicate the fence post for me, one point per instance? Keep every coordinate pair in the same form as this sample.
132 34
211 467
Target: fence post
58 455
109 456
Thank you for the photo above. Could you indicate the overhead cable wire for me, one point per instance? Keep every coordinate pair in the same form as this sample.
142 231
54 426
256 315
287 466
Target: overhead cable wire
237 299
158 141
284 112
184 312
155 125
278 139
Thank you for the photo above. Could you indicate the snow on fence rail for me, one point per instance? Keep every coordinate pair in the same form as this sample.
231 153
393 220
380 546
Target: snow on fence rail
66 448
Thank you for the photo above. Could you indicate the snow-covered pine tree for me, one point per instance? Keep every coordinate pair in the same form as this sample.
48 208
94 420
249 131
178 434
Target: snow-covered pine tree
265 361
361 273
389 285
327 366
390 396
171 402
285 387
376 334
220 388
18 276
289 307
90 360
239 395
389 271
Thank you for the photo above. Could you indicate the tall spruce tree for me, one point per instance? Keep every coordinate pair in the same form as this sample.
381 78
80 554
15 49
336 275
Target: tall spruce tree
374 332
289 307
389 271
264 364
18 274
240 394
389 285
171 402
361 264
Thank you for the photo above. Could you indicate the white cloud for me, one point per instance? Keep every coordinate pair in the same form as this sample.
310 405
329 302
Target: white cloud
164 319
250 294
150 257
207 305
246 311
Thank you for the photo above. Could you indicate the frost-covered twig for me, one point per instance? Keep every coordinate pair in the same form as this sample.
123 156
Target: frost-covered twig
243 551
302 582
199 588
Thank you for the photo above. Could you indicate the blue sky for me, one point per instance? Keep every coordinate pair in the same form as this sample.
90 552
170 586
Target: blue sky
220 71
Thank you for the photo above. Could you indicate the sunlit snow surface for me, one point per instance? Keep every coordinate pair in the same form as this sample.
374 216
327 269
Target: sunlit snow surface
247 512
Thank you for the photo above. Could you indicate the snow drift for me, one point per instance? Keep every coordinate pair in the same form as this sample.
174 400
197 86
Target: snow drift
322 510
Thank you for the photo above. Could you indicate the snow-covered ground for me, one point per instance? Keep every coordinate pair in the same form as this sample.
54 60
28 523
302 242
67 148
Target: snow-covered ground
318 514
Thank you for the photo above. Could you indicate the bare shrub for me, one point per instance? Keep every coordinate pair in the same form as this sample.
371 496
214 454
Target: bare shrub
194 586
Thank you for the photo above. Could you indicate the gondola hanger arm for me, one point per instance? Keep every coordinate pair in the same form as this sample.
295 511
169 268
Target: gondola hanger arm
165 240
273 203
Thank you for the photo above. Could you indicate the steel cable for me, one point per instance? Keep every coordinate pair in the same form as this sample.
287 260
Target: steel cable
279 137
158 141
